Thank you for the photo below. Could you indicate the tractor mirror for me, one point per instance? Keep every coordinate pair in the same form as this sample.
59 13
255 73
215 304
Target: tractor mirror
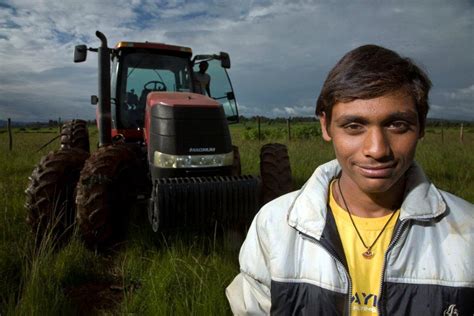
225 60
223 57
230 95
94 100
80 53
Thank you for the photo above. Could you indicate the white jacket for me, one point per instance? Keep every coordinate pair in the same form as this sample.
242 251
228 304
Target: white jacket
292 261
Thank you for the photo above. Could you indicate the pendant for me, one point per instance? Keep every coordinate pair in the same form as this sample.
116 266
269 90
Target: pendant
368 254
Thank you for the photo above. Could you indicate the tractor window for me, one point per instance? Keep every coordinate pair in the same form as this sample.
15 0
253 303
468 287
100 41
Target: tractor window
142 73
221 88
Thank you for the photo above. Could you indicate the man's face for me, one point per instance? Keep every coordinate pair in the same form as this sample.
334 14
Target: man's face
203 67
374 140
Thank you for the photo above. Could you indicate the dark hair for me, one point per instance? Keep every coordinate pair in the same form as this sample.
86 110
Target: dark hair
371 71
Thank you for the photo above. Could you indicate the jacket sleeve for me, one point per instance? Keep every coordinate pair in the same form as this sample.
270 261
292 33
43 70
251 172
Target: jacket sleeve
249 292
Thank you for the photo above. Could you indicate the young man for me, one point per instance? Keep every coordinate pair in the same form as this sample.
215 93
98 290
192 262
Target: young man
202 80
368 233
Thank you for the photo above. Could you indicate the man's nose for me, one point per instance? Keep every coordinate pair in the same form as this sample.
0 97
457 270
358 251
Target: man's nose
376 144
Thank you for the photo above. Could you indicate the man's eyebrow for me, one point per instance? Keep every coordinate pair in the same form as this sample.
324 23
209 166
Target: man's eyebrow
411 116
343 119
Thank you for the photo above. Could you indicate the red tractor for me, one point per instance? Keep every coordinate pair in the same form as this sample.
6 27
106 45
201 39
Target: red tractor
159 142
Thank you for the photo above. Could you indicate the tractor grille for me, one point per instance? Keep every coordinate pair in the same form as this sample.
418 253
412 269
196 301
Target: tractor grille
200 201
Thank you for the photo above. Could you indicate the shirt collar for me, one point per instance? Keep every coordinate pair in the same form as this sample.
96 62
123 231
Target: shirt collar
422 201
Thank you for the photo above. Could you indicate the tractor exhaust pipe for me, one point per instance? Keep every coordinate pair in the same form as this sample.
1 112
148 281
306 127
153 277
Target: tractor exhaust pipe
104 119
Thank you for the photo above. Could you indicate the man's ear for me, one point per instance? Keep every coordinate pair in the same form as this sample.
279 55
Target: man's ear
323 120
421 133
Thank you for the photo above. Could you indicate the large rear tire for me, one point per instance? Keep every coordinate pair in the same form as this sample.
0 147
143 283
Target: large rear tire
50 196
106 192
74 134
275 171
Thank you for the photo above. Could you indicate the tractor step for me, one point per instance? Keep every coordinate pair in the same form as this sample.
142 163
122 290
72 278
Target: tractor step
202 201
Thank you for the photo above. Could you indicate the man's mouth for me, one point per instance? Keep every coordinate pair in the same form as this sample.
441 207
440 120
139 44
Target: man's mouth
377 171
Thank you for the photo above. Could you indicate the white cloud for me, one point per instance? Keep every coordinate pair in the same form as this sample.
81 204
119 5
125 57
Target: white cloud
291 111
462 94
279 112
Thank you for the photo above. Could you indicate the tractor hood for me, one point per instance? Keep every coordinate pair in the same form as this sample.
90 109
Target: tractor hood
168 107
181 99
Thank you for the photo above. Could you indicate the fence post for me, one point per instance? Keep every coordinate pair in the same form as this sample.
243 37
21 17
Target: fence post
461 133
442 134
288 124
258 126
10 137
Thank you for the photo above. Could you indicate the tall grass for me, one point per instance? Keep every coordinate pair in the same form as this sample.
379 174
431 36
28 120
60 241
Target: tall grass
449 165
177 279
32 277
151 273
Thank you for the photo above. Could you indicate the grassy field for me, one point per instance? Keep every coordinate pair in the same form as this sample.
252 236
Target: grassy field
151 274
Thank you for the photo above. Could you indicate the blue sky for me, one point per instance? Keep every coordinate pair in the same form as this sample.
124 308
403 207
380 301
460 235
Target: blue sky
281 51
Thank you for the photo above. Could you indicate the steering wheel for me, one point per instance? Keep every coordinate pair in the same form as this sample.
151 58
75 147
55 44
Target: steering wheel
157 85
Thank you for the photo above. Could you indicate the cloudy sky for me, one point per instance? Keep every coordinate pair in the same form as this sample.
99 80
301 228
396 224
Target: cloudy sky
281 50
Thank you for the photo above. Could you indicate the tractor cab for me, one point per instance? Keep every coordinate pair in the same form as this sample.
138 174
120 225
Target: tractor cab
139 68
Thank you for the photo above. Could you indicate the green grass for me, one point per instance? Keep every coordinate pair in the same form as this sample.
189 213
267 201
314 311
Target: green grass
176 280
153 274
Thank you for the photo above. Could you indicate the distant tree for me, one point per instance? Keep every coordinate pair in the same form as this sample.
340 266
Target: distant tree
53 123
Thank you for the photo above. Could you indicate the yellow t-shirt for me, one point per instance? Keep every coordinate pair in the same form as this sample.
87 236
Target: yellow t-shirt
366 274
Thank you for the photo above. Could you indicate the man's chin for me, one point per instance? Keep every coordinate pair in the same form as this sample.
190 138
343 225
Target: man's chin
377 185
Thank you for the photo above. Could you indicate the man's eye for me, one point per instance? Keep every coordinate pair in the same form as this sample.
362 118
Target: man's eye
353 128
399 126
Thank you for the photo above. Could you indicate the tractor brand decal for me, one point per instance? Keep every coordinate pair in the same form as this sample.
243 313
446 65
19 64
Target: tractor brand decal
202 150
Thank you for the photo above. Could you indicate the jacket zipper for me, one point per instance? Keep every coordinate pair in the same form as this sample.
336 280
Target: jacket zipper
341 264
390 246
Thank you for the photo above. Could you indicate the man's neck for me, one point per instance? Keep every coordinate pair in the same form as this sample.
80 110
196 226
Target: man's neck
365 204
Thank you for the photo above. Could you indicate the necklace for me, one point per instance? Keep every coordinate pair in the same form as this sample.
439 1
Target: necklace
368 254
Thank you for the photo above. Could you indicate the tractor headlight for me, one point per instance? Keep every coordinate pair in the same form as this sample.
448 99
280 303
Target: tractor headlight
163 160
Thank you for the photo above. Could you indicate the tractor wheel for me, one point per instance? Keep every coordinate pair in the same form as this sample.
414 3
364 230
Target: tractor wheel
74 134
236 166
106 192
51 192
275 171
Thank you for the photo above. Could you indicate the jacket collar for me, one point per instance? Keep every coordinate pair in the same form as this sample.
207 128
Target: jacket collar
422 201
